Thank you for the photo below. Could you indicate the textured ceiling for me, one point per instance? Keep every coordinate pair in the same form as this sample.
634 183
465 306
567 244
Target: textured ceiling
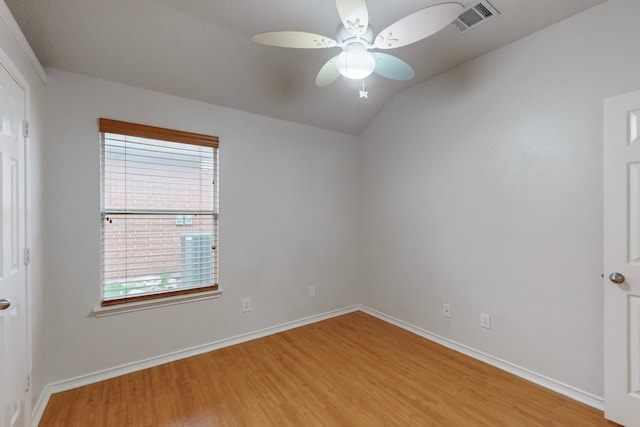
201 49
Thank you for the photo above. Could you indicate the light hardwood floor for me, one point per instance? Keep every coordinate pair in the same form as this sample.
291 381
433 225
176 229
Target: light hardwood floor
352 370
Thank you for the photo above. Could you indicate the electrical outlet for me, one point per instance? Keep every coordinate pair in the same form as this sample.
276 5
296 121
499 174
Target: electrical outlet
485 320
246 305
446 310
312 291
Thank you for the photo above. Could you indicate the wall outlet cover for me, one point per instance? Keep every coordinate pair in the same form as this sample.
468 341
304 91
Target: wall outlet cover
485 320
246 305
446 310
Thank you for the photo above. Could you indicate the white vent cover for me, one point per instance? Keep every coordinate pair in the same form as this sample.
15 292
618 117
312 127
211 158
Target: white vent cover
475 15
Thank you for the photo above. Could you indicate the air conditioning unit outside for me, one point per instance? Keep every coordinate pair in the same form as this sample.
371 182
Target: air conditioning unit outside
197 259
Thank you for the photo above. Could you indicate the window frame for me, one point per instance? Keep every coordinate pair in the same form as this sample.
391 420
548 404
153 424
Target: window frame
156 133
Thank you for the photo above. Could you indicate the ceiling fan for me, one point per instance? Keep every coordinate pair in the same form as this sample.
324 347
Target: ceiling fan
356 38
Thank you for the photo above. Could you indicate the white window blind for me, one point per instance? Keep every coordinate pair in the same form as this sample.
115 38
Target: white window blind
159 212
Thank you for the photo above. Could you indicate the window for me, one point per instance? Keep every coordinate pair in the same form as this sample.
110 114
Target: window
159 212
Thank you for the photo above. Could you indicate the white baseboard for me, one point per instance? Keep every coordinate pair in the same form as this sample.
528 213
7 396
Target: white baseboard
38 409
94 377
542 380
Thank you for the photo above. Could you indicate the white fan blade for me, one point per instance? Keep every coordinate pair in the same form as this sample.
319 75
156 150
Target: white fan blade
295 39
328 73
418 25
392 68
354 15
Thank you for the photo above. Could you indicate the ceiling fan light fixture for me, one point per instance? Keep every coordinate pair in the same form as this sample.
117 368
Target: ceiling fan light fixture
355 36
355 62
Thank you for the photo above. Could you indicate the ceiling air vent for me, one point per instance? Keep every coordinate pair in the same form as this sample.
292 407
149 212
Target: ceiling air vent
475 15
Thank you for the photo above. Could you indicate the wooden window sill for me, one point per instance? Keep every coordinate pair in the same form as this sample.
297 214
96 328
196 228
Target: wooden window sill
111 310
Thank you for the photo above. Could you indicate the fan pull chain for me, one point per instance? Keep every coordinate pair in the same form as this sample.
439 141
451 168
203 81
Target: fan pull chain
364 93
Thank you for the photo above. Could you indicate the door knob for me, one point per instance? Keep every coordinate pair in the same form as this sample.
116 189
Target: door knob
616 278
4 304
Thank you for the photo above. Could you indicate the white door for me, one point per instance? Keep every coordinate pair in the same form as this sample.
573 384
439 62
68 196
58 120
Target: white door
622 259
13 328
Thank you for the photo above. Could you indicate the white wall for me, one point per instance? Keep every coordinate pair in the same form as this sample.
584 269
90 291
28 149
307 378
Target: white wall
483 189
288 220
14 45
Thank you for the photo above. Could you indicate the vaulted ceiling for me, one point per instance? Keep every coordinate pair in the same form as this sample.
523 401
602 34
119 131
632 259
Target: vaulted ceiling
202 49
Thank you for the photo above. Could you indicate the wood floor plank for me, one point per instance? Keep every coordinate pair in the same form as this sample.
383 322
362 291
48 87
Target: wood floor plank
353 370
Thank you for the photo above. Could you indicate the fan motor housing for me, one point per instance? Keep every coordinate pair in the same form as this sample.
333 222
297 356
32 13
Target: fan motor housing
345 37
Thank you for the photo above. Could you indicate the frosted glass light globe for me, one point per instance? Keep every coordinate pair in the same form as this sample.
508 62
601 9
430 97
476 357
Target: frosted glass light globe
355 62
